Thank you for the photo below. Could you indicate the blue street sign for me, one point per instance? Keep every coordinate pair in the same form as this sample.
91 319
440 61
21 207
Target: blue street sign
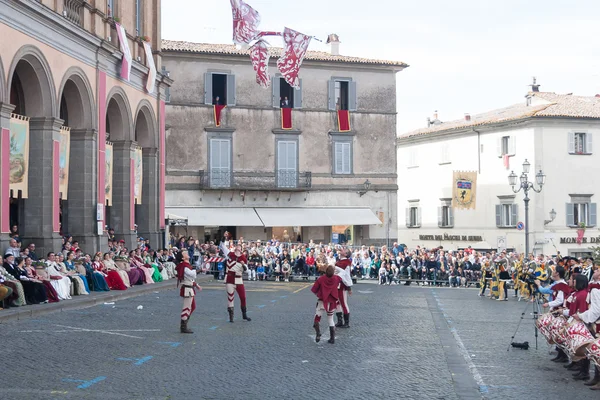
520 226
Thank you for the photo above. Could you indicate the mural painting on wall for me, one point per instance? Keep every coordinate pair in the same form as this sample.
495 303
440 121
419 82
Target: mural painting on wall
108 173
464 190
63 161
19 155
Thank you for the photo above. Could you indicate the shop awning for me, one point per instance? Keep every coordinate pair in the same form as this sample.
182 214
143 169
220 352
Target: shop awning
317 216
203 216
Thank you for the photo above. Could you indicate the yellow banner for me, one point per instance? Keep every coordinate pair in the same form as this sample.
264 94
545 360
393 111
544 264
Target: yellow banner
63 161
19 155
108 173
464 190
139 175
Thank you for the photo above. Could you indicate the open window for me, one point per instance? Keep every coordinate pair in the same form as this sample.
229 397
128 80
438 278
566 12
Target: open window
285 96
580 143
413 214
581 211
342 94
507 146
219 88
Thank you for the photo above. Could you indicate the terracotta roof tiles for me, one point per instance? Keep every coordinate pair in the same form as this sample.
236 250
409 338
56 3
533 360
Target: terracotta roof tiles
207 48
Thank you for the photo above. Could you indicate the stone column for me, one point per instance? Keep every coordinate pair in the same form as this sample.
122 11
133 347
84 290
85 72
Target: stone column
38 207
147 213
121 211
82 199
327 235
5 110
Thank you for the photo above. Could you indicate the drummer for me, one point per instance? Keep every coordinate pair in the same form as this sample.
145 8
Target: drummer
577 303
591 317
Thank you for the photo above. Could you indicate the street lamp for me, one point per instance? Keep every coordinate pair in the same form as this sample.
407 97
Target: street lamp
526 186
367 186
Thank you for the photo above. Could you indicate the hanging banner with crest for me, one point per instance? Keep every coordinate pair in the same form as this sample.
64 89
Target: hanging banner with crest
19 155
464 189
64 155
108 173
139 174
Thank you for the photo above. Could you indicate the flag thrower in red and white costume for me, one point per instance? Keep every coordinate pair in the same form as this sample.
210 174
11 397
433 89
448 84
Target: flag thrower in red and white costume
327 290
342 269
186 277
236 265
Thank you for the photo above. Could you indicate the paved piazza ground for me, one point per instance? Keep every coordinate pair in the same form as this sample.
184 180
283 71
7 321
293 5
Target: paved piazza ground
404 343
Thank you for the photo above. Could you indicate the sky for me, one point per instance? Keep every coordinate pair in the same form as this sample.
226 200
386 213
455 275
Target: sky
465 56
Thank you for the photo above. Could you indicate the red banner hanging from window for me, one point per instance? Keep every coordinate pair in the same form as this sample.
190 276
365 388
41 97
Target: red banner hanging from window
289 63
286 118
217 112
343 120
245 22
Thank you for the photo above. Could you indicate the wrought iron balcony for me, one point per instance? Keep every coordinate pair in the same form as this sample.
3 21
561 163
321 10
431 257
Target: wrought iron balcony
279 180
73 11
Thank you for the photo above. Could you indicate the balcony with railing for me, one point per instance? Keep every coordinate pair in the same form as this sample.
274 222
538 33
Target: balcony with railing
73 11
280 180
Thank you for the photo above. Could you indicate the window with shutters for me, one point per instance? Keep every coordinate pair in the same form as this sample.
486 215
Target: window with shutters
287 163
446 215
285 96
413 216
111 10
507 146
342 94
507 215
139 17
219 88
168 88
581 212
342 157
580 143
220 162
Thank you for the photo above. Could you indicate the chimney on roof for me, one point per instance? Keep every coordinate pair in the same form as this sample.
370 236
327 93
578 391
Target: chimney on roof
334 41
534 86
467 117
428 122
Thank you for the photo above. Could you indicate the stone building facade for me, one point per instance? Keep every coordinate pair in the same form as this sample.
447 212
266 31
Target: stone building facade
60 66
257 180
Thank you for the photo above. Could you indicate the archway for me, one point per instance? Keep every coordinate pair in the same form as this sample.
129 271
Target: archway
78 204
119 213
146 136
31 90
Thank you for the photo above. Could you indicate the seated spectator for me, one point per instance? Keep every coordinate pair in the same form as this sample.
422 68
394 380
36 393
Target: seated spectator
129 276
35 292
70 269
95 277
13 248
61 283
5 292
33 275
32 253
382 273
135 261
17 298
110 272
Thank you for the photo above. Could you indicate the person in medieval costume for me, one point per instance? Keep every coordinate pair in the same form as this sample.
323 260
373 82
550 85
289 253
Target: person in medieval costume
236 265
326 288
186 277
591 317
342 268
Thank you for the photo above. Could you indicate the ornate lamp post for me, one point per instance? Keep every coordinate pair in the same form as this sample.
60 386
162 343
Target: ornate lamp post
525 185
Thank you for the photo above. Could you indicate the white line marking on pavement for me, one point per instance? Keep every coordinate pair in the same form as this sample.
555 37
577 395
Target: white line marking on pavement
463 350
108 332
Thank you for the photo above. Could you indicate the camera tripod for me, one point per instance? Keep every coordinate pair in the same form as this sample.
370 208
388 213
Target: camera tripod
538 300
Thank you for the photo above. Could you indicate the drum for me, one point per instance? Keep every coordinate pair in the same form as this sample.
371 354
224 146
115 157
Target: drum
593 352
558 332
543 324
579 338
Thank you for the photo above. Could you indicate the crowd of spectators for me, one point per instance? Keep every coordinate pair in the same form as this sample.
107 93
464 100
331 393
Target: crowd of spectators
280 260
27 277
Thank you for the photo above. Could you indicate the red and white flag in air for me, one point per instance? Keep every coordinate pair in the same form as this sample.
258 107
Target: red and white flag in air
259 54
296 45
245 22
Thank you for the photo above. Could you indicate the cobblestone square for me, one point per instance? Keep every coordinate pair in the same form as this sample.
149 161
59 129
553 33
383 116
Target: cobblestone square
404 342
